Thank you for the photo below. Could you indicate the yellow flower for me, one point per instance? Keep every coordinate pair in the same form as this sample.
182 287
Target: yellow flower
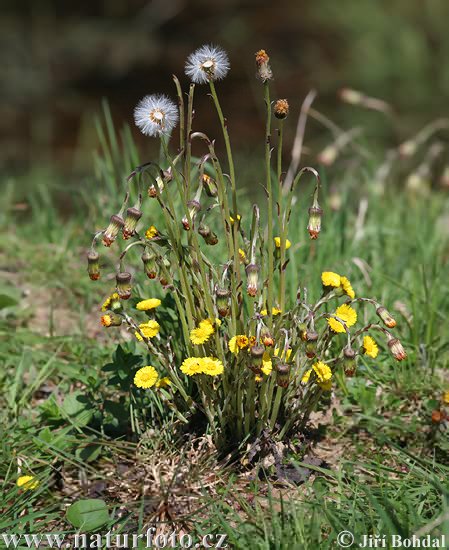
242 255
323 372
306 376
212 366
106 320
149 330
202 365
146 377
347 314
150 303
202 332
238 218
236 343
274 311
27 483
112 298
277 242
267 365
284 357
258 378
191 366
329 278
370 347
446 397
163 382
347 287
151 232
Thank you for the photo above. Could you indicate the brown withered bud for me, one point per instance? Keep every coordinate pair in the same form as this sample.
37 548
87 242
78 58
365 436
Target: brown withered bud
282 374
264 71
281 109
252 274
314 226
116 223
386 317
163 281
349 361
93 265
437 416
266 337
111 319
133 215
397 349
222 301
256 353
209 236
209 186
123 281
194 207
149 265
311 343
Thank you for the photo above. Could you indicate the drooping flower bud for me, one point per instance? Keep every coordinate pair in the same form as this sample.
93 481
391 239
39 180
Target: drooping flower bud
209 236
264 71
267 337
116 224
93 265
281 109
311 343
397 349
386 317
194 207
149 265
123 281
222 301
256 353
133 215
314 226
349 361
252 274
209 185
111 319
282 374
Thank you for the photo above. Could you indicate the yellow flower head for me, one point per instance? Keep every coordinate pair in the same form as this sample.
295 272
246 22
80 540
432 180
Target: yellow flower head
258 378
274 311
149 330
202 365
347 314
112 298
27 483
306 376
329 278
284 356
232 219
446 397
242 255
277 242
202 332
191 365
236 343
323 371
106 320
267 365
370 347
212 366
146 377
150 303
347 287
151 232
163 382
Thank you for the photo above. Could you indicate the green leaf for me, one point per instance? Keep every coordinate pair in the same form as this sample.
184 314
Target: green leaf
7 301
88 515
78 408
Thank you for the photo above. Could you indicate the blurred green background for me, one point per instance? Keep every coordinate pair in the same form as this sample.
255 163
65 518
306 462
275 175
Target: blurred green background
59 59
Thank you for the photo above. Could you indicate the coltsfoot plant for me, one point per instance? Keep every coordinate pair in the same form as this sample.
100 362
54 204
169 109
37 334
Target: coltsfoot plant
222 338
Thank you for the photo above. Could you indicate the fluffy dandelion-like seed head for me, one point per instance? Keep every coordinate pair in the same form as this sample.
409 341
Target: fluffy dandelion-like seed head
156 115
206 64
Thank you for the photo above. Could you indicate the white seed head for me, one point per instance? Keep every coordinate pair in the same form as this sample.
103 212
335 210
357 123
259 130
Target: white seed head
207 63
156 115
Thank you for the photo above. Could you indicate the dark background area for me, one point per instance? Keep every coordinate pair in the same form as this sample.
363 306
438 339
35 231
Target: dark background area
59 59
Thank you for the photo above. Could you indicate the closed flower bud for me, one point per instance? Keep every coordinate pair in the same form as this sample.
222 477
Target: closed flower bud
311 343
349 361
281 108
264 71
93 265
282 374
123 281
302 327
252 274
133 215
209 186
111 319
267 338
149 265
386 317
314 226
208 235
194 207
222 301
397 349
256 353
116 223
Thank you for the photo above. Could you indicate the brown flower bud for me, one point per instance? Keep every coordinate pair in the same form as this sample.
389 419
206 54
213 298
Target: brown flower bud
133 215
123 281
222 301
149 265
349 361
282 374
116 223
281 108
386 317
93 265
311 343
209 186
252 274
264 71
314 226
397 349
194 207
209 236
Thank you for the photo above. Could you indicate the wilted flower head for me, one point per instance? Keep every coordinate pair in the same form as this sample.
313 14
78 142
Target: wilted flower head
207 63
155 115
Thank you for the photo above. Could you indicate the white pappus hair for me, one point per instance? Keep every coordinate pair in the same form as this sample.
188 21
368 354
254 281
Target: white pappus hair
207 63
156 115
